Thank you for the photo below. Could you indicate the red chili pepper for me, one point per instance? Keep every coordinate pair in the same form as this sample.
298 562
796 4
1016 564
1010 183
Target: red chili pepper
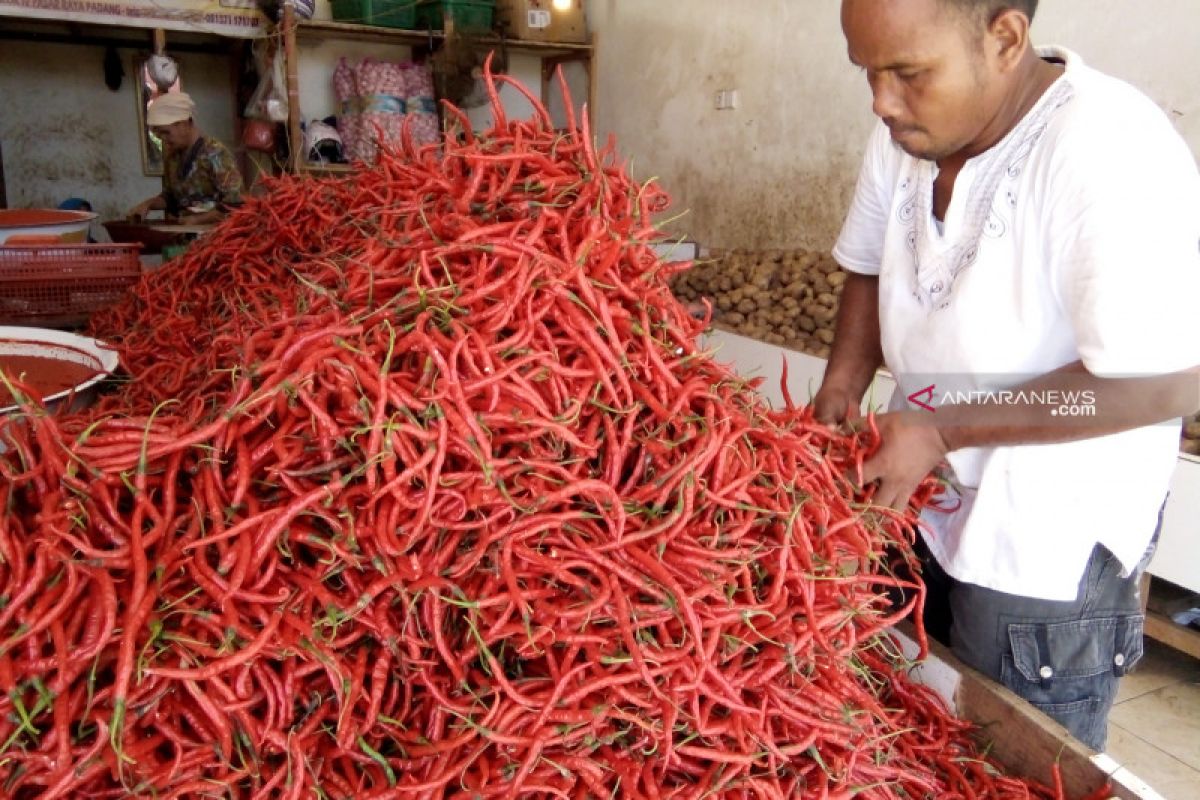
420 485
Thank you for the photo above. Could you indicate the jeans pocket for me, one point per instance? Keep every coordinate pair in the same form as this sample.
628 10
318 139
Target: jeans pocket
1069 670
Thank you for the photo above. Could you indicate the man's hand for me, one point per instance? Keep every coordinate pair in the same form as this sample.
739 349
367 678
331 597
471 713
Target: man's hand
856 352
138 212
833 405
143 209
910 448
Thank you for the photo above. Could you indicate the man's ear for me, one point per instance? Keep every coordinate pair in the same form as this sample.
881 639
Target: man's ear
1008 38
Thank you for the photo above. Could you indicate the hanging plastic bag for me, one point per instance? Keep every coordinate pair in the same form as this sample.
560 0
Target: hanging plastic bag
269 100
258 134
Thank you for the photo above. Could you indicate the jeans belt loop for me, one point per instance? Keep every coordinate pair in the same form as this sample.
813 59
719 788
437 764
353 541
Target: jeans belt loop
1045 669
1120 636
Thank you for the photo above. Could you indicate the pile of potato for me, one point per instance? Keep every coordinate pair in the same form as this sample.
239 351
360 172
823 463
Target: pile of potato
790 298
787 298
1189 441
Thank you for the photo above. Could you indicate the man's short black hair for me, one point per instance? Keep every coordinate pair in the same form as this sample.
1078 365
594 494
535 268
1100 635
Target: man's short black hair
988 9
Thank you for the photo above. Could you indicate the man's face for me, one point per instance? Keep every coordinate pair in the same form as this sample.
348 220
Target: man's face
174 136
932 84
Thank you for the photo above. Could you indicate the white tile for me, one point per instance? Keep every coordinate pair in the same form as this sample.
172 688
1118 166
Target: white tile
1167 718
1168 776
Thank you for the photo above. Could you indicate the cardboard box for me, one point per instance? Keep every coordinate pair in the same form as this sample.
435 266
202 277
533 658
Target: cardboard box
540 21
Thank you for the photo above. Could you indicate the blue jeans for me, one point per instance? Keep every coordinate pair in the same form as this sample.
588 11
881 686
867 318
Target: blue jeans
1065 658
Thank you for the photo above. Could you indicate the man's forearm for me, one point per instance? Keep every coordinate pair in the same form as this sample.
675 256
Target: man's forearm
856 353
1066 405
155 203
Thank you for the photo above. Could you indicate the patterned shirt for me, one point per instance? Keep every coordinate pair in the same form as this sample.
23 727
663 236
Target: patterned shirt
203 178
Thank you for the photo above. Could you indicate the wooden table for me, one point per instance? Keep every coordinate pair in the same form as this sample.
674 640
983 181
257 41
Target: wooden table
181 229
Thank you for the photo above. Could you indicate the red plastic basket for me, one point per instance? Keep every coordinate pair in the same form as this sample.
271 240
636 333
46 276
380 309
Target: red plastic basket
61 285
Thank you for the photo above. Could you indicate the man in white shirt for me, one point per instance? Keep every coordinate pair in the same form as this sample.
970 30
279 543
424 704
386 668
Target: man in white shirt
1023 252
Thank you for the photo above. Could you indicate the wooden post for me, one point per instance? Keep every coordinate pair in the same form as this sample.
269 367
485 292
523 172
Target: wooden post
591 78
295 137
547 77
238 52
160 41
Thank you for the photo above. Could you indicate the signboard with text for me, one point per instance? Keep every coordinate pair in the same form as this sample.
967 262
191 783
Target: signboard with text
241 18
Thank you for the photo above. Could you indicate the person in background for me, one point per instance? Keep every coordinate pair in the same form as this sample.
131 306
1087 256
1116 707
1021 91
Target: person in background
96 232
1022 222
75 204
201 182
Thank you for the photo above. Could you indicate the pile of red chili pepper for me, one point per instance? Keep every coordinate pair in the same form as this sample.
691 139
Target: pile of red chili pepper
420 486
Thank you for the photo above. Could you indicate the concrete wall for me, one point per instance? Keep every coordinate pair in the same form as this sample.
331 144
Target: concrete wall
64 134
778 171
1153 45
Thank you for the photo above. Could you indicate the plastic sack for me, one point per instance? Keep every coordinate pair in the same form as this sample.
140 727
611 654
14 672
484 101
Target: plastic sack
420 104
349 123
381 87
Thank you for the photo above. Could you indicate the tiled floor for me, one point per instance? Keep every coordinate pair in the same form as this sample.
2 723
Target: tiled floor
1154 728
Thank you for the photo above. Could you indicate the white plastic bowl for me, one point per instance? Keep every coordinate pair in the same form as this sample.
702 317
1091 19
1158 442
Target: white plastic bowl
45 343
45 225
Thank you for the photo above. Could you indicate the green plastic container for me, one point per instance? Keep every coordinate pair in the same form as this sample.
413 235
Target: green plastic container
170 251
467 15
380 13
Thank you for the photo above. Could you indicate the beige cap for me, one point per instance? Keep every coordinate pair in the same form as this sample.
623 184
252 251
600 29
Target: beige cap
169 108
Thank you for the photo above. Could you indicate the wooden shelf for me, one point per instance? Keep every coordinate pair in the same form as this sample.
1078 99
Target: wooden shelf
1161 598
541 48
1184 639
327 29
327 169
295 30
